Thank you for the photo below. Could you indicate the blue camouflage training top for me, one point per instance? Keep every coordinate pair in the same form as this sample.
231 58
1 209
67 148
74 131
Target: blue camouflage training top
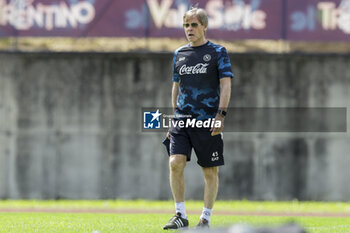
198 71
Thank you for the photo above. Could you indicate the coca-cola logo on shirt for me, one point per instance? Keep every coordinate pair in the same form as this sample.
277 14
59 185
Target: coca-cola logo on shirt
200 68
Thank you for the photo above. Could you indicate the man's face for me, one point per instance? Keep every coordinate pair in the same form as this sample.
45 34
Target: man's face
194 30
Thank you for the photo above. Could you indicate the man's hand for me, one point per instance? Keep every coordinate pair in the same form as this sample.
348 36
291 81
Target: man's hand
168 135
215 131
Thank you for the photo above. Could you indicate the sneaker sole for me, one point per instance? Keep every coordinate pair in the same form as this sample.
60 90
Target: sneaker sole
181 228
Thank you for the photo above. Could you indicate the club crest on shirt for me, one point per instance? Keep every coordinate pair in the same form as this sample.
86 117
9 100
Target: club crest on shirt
206 57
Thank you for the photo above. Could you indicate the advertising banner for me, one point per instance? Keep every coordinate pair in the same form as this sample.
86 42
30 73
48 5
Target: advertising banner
320 20
228 19
46 18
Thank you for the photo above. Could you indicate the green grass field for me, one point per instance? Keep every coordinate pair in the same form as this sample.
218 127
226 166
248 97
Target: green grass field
13 219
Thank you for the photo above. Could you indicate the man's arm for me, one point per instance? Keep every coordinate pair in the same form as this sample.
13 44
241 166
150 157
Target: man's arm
174 94
225 94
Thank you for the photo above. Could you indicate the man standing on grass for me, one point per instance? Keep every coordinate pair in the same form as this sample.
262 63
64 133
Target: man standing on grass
201 89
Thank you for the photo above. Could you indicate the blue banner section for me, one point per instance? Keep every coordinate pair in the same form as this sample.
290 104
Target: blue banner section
309 20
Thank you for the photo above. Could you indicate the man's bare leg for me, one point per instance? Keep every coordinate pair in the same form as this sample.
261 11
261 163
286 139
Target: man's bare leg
211 179
177 165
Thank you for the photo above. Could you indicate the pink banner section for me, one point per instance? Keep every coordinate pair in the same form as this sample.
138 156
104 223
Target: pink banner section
324 20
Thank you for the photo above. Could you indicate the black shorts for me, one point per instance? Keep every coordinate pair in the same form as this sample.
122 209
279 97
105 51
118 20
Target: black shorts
209 149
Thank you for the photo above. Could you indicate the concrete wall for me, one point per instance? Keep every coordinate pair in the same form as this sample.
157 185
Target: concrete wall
70 128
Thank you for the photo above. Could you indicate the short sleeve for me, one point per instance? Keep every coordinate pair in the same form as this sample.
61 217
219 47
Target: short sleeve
224 64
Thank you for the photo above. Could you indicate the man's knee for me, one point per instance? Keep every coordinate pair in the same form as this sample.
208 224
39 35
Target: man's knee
211 174
177 162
